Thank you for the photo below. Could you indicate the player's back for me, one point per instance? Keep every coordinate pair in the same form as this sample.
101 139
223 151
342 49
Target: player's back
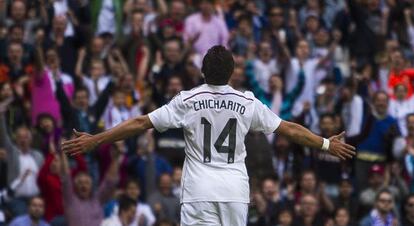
215 125
215 120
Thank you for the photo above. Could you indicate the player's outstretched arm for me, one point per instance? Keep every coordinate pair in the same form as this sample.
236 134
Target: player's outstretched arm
85 142
300 135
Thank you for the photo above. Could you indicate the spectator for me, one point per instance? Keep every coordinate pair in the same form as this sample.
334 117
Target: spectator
34 216
50 184
342 217
15 66
23 163
399 74
244 36
352 108
362 44
82 205
285 218
238 79
98 79
169 64
401 106
409 156
382 213
65 45
126 215
346 200
176 180
325 161
46 133
143 215
377 182
176 17
3 185
79 114
213 32
163 202
309 212
309 66
16 114
408 217
280 27
257 209
171 144
117 111
381 142
146 165
135 49
274 199
309 186
107 16
265 65
18 16
43 85
395 179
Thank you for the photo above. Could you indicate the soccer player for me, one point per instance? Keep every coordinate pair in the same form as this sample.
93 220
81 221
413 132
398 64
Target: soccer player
215 119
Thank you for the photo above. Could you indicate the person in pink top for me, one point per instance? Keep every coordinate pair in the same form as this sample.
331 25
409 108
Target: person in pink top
205 29
43 85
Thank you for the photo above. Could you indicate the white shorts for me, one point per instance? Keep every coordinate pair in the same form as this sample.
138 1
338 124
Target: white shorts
214 214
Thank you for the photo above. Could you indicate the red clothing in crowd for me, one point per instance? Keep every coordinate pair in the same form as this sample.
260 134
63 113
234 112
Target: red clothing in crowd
405 77
51 187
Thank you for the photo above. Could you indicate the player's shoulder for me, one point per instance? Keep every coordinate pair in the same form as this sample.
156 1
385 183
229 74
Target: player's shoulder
186 94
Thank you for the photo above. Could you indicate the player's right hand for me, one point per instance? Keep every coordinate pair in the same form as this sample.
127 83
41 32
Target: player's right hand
82 143
339 148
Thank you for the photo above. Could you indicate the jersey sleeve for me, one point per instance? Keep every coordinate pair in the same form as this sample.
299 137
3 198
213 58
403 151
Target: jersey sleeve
168 116
264 120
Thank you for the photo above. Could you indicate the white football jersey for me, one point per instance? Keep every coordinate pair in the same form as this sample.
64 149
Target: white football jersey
215 120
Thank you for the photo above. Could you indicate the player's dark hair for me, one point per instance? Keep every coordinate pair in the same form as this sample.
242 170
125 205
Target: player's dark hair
125 203
218 65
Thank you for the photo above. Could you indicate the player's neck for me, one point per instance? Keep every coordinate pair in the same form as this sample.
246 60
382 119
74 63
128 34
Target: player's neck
216 86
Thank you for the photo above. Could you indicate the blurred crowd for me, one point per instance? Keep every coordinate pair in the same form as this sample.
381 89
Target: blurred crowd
330 65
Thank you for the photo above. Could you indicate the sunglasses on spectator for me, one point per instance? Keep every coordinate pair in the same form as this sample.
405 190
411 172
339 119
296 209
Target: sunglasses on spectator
385 200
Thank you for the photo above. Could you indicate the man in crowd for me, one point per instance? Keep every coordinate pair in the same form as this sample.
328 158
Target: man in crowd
382 213
126 215
34 216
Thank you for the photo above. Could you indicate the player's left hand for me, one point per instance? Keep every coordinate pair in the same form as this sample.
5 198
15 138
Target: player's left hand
82 143
339 148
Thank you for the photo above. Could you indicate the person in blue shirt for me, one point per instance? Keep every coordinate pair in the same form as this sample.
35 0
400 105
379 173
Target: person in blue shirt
379 141
34 216
146 164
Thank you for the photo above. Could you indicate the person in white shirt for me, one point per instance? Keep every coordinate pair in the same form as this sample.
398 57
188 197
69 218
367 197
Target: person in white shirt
401 106
215 119
265 66
143 215
97 81
117 111
352 110
126 215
